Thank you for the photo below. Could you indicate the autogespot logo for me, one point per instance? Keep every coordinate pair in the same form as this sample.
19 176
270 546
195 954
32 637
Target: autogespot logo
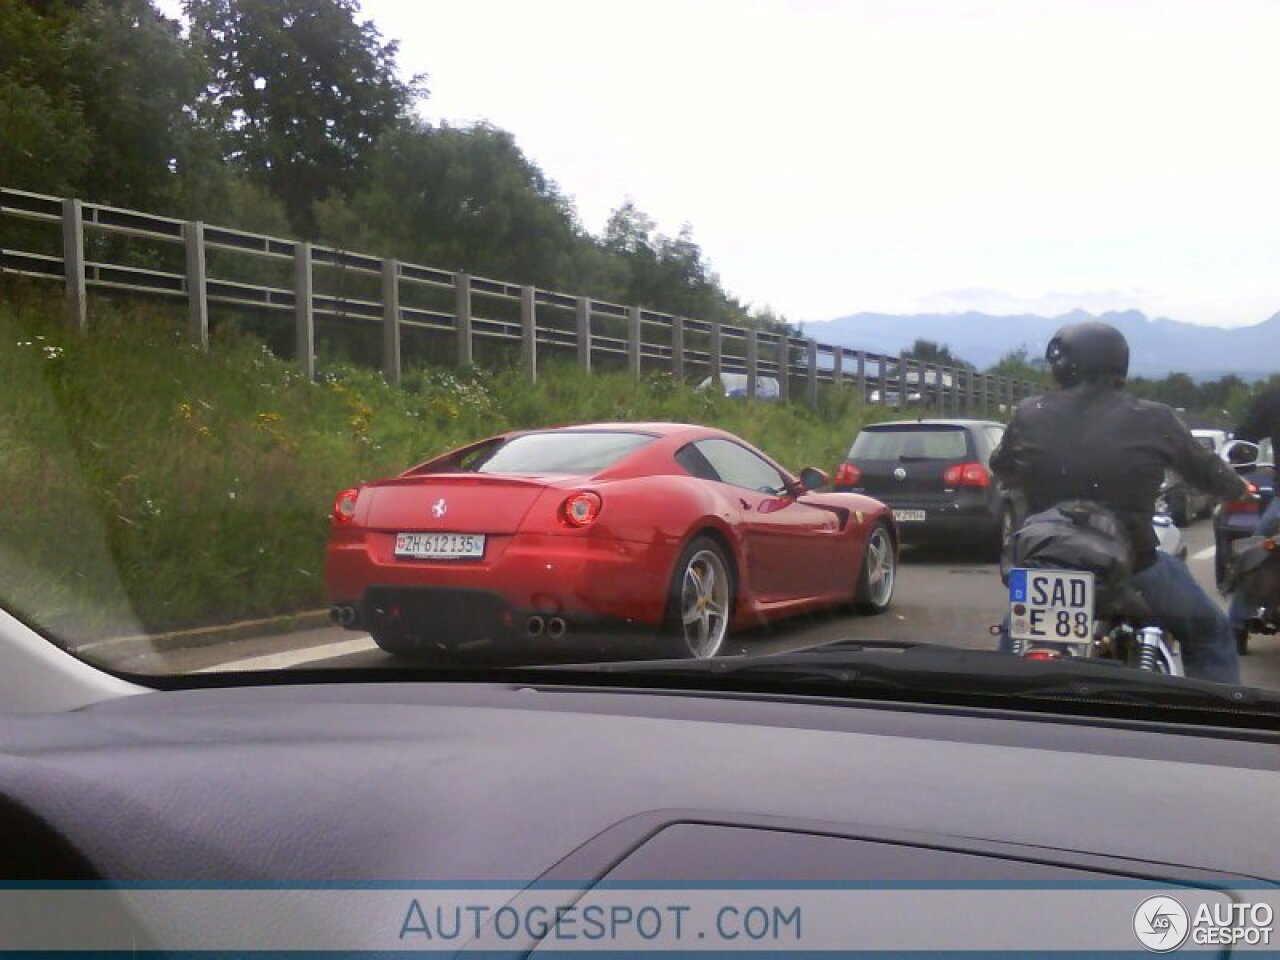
1161 924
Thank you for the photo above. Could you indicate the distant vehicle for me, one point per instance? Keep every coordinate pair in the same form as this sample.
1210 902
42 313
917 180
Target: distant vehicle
891 394
1187 504
735 385
1168 537
935 475
1235 519
565 541
892 398
1215 440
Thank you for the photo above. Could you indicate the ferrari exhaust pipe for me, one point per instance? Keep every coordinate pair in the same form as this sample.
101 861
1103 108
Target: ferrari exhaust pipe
556 628
343 615
534 626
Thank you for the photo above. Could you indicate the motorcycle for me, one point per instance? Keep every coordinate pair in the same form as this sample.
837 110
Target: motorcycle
1253 567
1169 538
1069 594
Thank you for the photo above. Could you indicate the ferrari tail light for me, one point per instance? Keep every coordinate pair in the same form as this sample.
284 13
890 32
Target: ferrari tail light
581 509
966 475
847 475
344 507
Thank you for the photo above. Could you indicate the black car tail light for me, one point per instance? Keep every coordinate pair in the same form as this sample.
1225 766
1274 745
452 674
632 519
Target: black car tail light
966 475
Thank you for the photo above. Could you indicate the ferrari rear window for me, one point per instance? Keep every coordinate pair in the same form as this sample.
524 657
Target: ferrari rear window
567 451
911 443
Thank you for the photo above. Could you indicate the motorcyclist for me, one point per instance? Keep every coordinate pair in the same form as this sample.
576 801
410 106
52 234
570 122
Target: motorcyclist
1261 422
1092 441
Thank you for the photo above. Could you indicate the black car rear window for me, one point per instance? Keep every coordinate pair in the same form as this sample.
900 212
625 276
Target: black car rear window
910 443
564 451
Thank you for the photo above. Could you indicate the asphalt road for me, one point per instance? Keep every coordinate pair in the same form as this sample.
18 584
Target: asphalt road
943 597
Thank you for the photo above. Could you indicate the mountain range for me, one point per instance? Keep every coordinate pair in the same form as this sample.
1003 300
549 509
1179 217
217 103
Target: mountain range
1158 346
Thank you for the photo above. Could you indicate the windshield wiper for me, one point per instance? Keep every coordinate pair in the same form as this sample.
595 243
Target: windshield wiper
871 667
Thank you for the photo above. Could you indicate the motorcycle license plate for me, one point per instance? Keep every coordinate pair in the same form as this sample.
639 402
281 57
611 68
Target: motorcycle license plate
1051 605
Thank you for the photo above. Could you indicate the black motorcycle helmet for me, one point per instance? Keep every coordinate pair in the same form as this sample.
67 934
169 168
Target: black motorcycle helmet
1088 353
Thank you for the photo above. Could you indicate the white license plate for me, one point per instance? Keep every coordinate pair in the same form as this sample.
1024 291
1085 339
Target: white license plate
1055 606
909 516
440 546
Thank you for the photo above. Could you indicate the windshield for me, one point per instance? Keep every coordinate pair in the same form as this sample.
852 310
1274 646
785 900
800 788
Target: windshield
910 443
697 359
577 452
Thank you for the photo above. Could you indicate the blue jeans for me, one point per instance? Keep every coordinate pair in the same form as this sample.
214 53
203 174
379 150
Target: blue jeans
1268 524
1186 611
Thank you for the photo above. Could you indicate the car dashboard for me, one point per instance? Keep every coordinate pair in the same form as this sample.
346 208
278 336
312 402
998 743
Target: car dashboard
421 783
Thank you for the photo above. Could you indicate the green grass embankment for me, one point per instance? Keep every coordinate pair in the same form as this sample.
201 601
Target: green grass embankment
149 485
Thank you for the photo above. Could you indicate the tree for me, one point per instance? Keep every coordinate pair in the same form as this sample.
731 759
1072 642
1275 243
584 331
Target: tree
672 273
136 79
466 198
1018 365
46 139
629 232
301 91
93 100
927 351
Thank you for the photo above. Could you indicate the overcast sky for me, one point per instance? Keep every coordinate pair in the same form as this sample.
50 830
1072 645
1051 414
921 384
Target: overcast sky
899 156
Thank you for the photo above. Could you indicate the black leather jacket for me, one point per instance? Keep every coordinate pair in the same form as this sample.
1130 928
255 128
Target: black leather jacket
1263 419
1094 442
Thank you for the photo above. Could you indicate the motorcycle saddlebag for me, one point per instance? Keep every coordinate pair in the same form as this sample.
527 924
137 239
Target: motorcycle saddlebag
1257 572
1076 535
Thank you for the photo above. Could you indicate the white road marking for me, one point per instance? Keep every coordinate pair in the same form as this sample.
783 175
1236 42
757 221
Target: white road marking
1205 554
294 658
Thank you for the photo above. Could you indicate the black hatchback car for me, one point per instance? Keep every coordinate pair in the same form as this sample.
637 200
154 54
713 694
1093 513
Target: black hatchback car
936 477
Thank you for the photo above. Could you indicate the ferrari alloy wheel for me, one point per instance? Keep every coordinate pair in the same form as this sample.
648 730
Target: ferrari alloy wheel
879 572
701 602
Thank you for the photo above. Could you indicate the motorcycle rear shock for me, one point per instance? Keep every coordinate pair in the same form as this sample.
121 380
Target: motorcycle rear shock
1148 644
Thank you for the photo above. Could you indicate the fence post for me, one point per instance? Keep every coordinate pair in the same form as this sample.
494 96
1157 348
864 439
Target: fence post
784 367
753 364
861 359
677 349
584 333
837 367
634 328
462 319
391 320
715 351
197 285
811 384
73 264
304 317
528 333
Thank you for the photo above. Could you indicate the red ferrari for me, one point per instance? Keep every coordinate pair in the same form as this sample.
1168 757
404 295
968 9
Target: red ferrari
545 540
